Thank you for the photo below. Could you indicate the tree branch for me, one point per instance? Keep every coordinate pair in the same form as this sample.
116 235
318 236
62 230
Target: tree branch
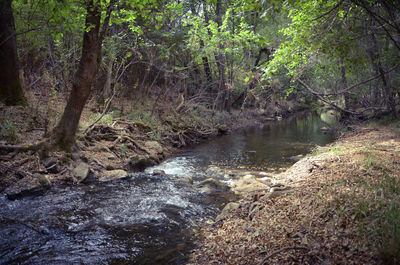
359 84
328 12
325 100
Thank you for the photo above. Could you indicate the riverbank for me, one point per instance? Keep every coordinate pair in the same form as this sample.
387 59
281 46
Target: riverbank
125 139
340 205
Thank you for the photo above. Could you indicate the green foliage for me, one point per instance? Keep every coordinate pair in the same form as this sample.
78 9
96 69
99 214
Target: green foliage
107 119
145 117
9 132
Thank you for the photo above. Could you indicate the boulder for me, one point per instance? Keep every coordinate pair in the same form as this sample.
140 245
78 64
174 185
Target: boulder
249 183
139 163
109 175
296 158
215 172
153 146
29 186
186 180
154 149
48 162
81 172
157 172
229 207
211 185
51 165
265 180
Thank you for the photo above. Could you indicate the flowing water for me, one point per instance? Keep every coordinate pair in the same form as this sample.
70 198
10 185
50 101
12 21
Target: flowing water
144 219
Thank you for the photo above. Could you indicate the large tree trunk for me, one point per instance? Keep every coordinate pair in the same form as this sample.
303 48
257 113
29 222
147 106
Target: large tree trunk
11 92
64 133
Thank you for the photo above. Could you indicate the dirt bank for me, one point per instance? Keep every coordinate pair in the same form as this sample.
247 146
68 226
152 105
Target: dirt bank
343 207
125 139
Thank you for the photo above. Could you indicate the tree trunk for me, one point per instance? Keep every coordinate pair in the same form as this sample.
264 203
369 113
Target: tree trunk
377 64
107 91
204 58
11 92
64 133
207 68
344 86
220 58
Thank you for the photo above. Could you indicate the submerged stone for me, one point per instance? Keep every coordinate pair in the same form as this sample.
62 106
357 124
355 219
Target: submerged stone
249 183
29 186
157 172
109 175
211 185
139 163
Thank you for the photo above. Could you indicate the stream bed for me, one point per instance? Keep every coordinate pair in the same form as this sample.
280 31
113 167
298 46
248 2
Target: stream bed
144 219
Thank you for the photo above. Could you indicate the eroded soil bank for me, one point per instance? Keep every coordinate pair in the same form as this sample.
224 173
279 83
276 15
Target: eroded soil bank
127 139
340 205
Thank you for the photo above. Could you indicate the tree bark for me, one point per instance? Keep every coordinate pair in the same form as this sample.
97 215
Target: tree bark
11 92
64 133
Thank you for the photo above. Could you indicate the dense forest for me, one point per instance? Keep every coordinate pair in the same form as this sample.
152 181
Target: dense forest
100 88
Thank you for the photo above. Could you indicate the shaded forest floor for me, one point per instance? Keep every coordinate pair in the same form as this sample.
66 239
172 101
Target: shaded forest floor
343 207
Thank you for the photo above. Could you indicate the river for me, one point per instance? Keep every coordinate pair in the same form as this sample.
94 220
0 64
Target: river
145 219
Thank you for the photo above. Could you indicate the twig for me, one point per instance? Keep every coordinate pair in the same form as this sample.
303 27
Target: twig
279 251
329 11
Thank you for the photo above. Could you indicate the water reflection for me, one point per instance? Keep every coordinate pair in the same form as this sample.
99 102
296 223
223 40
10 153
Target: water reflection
270 146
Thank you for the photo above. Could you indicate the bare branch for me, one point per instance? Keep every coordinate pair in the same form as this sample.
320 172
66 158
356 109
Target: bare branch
359 84
329 11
